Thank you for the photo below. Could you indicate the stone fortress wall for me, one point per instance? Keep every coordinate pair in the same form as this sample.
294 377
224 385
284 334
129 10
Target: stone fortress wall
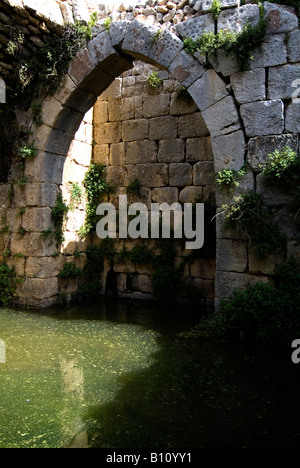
173 148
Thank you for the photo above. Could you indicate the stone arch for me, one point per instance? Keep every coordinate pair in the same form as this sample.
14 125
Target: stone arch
228 118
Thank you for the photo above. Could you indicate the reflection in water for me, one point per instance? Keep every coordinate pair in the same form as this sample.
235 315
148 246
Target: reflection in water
73 386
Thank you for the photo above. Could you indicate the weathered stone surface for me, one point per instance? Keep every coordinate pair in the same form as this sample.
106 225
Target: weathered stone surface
141 152
181 106
121 109
203 173
117 32
171 151
190 194
199 149
193 125
263 266
118 176
222 118
101 49
150 175
81 152
208 90
114 91
109 133
280 19
259 148
165 48
117 154
40 288
32 244
281 81
292 122
195 27
293 46
165 195
133 130
235 19
229 151
249 86
186 69
155 106
137 40
273 52
46 267
37 219
232 255
163 128
263 118
180 174
207 4
46 9
224 63
227 282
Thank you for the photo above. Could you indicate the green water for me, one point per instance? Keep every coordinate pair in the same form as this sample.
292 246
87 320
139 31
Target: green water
118 375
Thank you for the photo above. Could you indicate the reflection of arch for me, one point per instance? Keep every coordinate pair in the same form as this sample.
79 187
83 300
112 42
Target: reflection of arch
2 352
2 91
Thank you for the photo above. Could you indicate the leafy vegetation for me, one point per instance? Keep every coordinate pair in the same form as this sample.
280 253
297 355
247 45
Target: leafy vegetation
96 187
230 178
58 216
240 45
134 188
8 285
154 80
251 217
264 313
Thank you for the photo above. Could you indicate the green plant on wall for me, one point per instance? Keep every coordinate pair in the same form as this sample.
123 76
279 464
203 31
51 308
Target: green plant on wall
96 187
8 285
249 216
241 45
229 178
154 80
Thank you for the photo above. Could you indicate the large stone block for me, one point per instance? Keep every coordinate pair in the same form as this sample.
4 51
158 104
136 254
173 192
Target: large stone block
263 118
117 32
40 289
32 244
191 126
208 90
109 133
232 255
165 47
81 152
191 194
117 154
155 106
224 63
273 52
229 151
195 27
37 219
249 86
259 148
280 19
293 46
101 154
222 118
171 151
236 18
292 122
121 109
133 130
186 69
47 267
150 175
162 128
165 195
141 152
281 80
227 282
199 149
204 173
180 174
180 106
100 112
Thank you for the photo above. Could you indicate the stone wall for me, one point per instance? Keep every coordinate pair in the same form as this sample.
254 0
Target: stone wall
155 136
247 115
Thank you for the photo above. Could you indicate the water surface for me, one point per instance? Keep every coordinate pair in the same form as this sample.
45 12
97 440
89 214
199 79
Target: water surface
119 375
